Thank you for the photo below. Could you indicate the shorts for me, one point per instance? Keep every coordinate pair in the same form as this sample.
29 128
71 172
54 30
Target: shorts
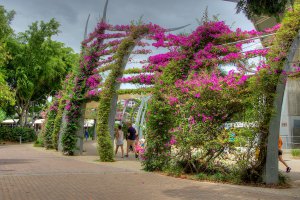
119 143
279 152
130 142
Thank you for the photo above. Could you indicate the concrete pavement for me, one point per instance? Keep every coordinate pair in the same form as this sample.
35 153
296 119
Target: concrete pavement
32 173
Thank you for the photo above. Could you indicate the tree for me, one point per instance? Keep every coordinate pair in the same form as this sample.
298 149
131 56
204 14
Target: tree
6 96
5 31
267 7
37 65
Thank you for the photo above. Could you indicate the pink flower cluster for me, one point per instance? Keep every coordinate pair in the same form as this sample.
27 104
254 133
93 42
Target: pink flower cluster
273 29
206 118
256 52
173 100
93 93
68 106
93 81
262 65
107 60
171 142
212 81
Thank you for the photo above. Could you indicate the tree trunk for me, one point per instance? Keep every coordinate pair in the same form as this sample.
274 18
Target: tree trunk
26 117
23 113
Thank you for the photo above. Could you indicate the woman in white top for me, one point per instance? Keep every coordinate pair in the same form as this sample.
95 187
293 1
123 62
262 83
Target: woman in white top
119 140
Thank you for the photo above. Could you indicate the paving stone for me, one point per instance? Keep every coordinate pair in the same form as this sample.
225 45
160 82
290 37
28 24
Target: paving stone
27 173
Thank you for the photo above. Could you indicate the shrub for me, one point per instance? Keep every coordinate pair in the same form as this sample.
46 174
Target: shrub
40 140
283 179
201 176
295 152
13 134
173 169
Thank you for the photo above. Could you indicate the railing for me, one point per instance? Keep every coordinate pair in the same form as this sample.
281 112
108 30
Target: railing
290 142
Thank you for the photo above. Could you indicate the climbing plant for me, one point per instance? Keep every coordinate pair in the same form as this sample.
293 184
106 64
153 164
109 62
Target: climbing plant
263 86
51 114
192 98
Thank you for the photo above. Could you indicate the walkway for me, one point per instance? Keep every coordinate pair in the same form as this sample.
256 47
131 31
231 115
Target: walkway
32 173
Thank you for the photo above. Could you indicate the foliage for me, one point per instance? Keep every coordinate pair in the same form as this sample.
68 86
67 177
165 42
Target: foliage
192 97
133 110
284 37
104 139
262 88
159 122
192 105
134 91
40 140
5 19
57 124
6 95
295 152
13 134
202 99
111 85
84 86
267 7
59 108
48 142
69 137
219 177
2 115
133 71
37 65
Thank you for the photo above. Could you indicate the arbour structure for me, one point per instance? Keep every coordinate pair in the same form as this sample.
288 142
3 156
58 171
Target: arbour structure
192 59
110 52
101 52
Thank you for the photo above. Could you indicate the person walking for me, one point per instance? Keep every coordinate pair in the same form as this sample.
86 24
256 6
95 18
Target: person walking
288 169
119 140
86 134
131 138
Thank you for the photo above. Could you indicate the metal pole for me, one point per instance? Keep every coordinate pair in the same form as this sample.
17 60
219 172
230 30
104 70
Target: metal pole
271 166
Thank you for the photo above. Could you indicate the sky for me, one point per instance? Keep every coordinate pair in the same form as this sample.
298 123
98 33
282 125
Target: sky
72 14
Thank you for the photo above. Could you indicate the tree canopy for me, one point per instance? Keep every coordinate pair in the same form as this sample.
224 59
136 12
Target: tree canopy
266 7
6 96
37 65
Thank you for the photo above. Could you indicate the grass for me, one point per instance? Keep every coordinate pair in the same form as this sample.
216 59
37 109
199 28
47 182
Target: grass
295 152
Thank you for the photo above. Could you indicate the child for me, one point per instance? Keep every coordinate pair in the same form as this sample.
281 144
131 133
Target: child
139 147
119 140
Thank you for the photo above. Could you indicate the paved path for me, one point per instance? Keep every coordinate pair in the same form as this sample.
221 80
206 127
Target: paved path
31 173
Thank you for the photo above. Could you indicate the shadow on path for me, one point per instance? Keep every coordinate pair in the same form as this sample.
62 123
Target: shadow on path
14 161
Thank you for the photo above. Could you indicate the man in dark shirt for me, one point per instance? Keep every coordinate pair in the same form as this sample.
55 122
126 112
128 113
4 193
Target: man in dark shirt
131 138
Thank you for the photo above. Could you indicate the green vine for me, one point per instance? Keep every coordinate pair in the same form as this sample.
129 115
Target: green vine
57 124
48 130
105 146
160 120
133 71
264 86
135 91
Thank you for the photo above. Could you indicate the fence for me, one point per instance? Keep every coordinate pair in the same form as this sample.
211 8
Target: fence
290 142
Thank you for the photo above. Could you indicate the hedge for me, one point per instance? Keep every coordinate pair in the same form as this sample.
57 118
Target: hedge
13 134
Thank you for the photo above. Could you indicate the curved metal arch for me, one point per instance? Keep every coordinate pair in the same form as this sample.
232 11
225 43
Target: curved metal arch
104 12
86 27
177 28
